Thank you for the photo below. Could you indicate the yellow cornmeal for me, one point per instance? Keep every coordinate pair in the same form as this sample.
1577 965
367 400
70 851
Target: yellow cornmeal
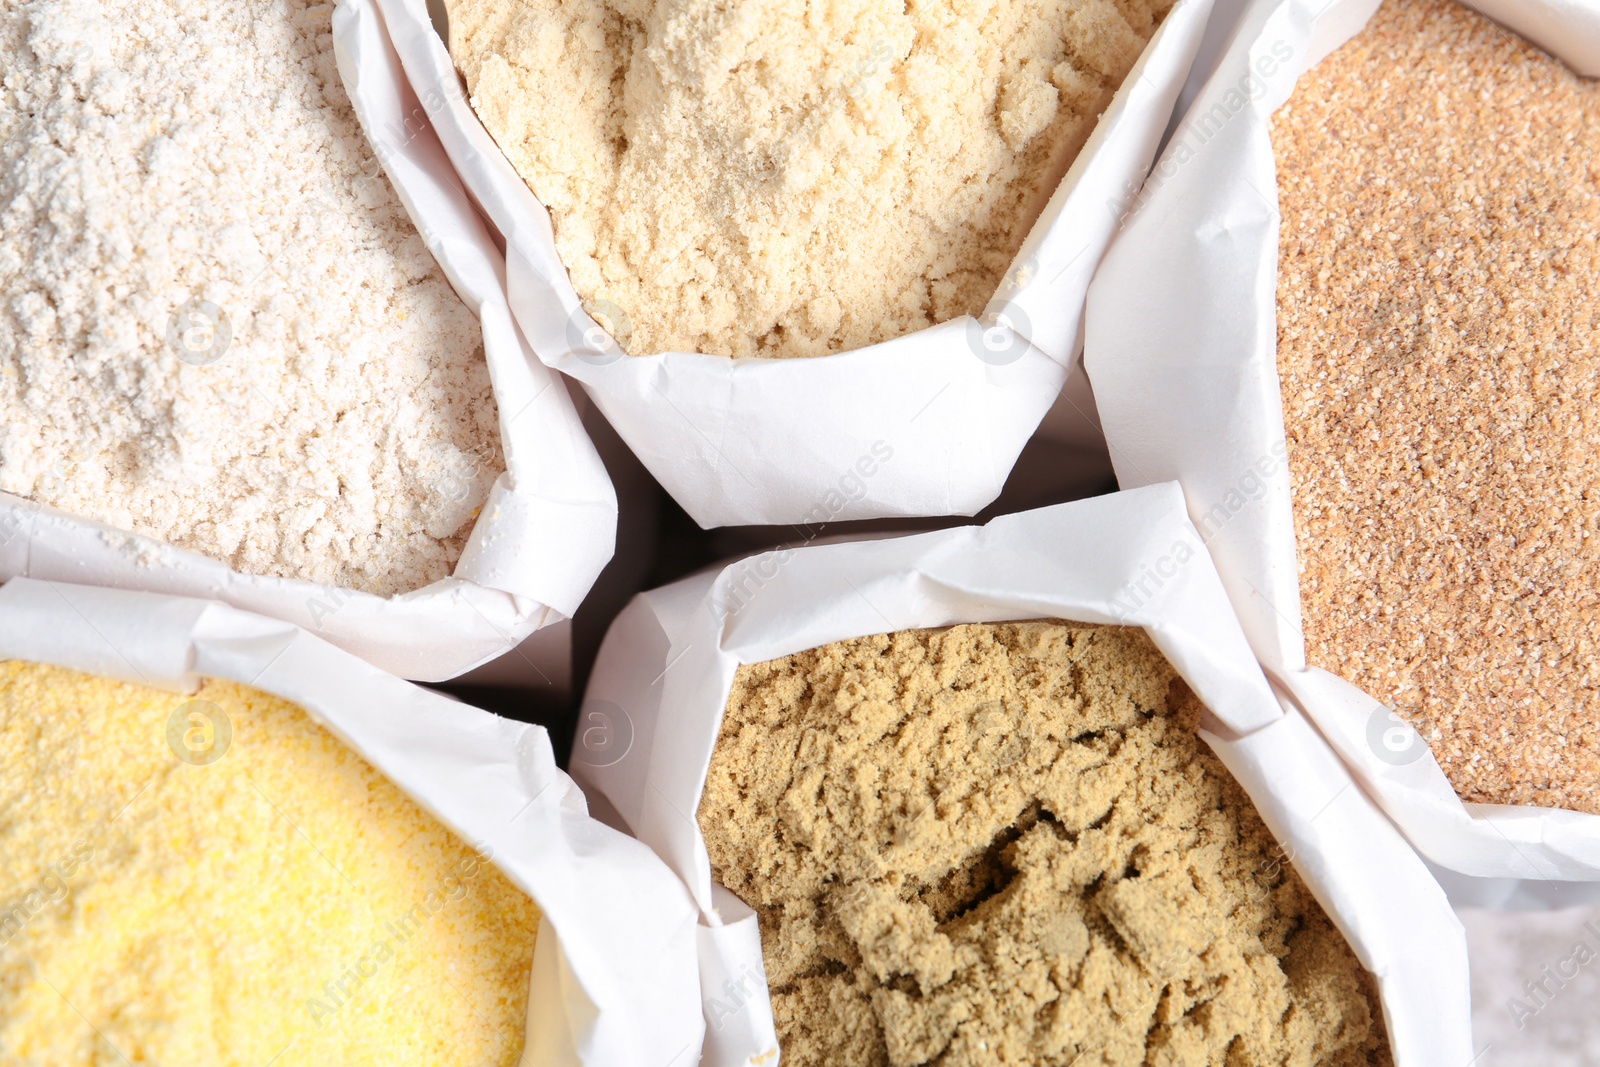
283 904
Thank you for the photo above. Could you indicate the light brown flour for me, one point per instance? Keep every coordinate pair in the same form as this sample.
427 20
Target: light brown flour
218 326
1439 350
1005 844
783 178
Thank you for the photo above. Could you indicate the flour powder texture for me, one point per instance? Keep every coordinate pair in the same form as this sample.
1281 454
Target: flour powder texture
218 327
786 178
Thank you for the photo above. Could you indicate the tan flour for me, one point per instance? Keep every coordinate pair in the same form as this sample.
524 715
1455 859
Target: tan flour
1439 352
782 178
217 325
1005 844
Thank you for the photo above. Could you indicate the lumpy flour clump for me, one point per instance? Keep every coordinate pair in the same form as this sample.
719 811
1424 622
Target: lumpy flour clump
1006 844
218 327
784 178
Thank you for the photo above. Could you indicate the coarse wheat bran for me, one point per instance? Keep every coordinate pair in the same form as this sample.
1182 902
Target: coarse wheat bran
1439 354
1006 844
786 178
284 904
158 156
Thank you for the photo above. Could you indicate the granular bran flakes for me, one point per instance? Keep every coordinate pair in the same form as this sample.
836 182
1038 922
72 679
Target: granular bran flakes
1439 353
1006 844
787 178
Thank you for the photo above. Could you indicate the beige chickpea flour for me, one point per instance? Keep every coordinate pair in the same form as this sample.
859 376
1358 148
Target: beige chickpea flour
786 178
214 879
218 327
1005 844
1439 354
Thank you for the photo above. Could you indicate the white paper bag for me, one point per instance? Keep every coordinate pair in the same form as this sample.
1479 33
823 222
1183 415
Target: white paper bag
927 424
613 971
1181 348
546 529
656 699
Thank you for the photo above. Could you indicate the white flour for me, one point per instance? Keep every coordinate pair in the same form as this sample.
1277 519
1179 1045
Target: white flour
217 325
